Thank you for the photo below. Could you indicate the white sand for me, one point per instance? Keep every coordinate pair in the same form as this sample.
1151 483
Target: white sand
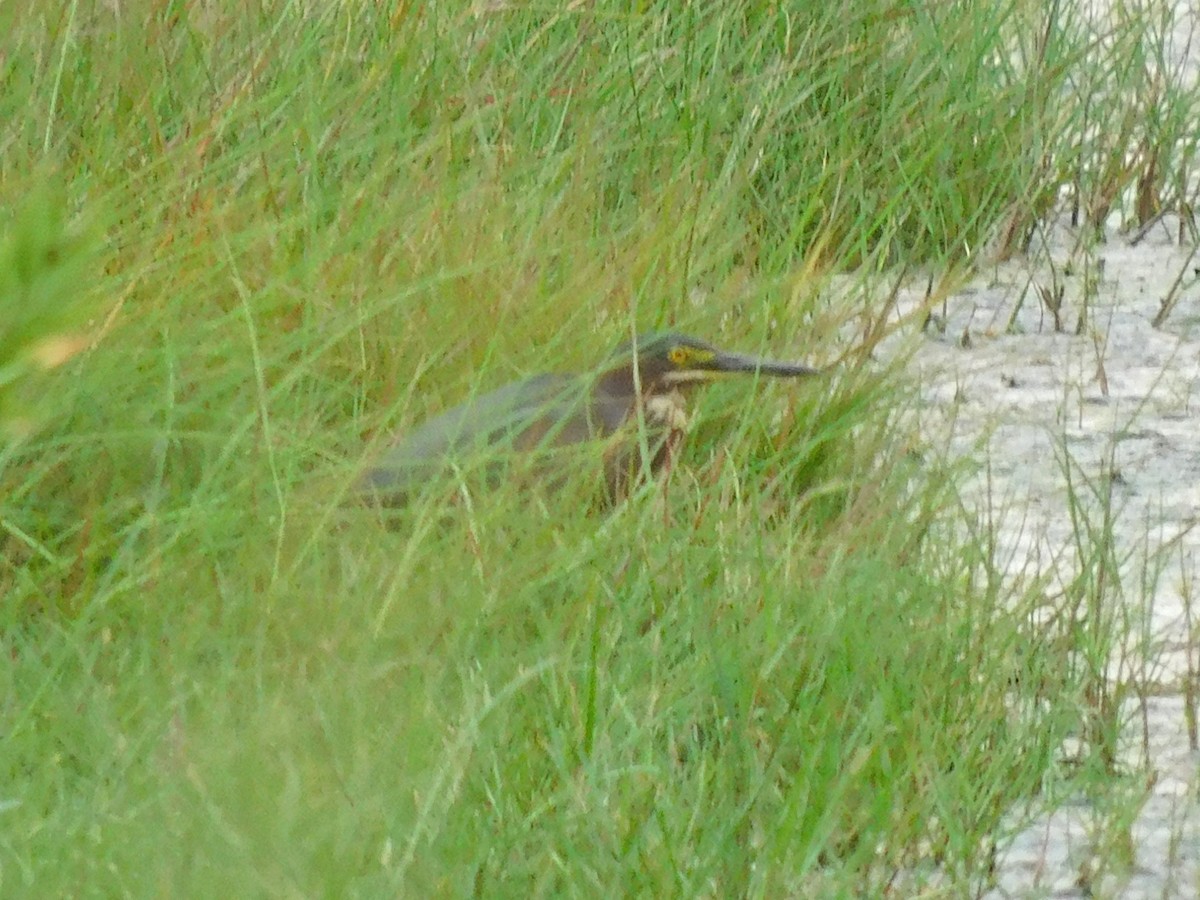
1122 396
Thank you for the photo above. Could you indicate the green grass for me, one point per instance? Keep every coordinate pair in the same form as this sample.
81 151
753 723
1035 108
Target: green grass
795 671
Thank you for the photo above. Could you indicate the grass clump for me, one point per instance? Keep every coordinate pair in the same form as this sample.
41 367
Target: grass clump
787 673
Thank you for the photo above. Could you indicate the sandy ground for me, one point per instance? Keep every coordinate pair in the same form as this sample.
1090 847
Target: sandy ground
1121 400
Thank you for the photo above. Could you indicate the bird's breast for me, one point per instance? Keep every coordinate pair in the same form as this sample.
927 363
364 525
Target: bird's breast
668 410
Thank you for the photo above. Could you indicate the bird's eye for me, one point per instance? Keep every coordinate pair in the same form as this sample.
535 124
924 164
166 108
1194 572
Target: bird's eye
678 355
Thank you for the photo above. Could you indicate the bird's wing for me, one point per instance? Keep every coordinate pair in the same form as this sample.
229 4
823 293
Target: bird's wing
519 416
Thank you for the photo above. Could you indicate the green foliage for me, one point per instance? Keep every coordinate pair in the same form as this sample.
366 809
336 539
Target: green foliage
47 277
792 673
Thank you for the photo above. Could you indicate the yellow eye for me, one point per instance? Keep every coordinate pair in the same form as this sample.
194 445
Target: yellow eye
678 355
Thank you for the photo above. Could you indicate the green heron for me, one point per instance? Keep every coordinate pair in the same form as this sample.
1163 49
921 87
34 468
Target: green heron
634 404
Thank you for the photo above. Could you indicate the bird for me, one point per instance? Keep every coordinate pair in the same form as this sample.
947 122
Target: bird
634 404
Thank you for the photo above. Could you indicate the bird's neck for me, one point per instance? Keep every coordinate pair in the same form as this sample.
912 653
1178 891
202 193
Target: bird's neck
622 383
662 404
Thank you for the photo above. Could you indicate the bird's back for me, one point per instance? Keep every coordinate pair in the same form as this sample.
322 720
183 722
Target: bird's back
543 411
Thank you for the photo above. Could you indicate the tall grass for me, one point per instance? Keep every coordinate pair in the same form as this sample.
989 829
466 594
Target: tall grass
787 672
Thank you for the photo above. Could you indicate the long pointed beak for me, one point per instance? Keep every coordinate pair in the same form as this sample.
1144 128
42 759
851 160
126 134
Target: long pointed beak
737 362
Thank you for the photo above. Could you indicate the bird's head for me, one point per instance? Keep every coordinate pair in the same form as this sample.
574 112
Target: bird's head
661 362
